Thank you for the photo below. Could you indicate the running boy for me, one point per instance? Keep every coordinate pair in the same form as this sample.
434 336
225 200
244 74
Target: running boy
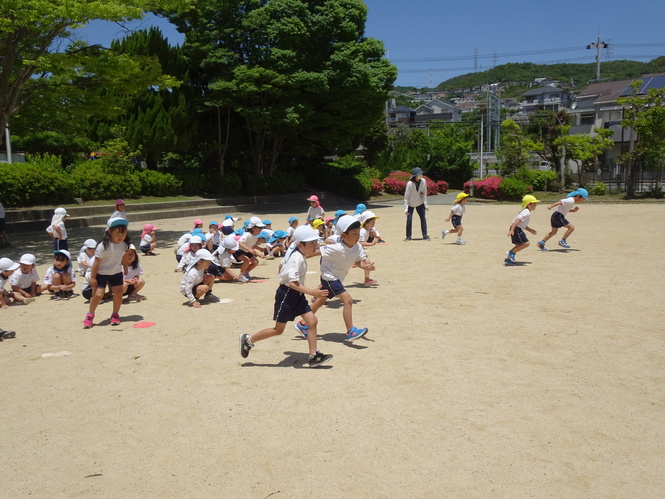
336 261
519 225
290 300
558 218
456 213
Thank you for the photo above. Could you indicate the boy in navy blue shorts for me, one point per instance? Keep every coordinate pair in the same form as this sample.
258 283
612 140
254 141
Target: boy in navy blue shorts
559 220
519 225
290 300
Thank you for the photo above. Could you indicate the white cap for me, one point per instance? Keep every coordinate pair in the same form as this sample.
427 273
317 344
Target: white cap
90 243
60 211
203 254
366 215
64 252
7 264
230 243
344 222
304 234
131 246
255 222
28 259
195 240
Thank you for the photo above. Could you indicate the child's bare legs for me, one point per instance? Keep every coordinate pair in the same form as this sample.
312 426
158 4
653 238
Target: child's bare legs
346 311
551 233
519 247
312 322
62 282
117 297
269 332
4 303
247 264
569 230
201 290
95 299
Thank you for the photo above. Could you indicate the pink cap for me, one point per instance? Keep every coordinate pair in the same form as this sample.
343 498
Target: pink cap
198 221
149 228
119 201
313 198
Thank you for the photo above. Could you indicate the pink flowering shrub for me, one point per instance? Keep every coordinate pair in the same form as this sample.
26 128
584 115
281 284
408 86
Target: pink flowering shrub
395 183
442 186
487 188
376 186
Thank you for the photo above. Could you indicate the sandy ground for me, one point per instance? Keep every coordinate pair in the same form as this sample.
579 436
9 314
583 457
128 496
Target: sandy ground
475 380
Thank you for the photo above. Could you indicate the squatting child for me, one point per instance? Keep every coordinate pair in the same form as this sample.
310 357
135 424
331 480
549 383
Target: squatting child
60 278
7 268
196 282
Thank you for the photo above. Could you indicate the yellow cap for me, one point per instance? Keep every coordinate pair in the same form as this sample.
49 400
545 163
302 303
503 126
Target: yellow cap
316 223
461 196
528 199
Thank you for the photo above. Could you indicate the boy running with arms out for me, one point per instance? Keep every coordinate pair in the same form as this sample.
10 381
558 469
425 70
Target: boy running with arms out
290 300
558 219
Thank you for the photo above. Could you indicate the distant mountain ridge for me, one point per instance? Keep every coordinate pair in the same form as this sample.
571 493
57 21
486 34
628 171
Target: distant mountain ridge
578 74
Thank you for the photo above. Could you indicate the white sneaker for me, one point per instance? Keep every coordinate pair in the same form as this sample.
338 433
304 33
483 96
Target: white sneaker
460 241
244 278
28 301
444 233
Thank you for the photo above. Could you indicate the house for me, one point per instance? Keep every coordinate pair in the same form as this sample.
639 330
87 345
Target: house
401 115
545 98
438 110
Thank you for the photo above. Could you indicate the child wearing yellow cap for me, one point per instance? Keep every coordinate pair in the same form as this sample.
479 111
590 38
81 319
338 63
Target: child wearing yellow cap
519 225
456 213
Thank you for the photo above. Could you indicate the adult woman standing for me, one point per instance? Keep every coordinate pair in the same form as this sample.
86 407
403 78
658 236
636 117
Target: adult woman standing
415 197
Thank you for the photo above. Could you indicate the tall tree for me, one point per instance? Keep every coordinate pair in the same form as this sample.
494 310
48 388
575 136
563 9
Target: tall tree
36 55
515 149
546 130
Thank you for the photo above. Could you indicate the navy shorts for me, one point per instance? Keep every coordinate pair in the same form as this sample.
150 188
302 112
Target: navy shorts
289 304
227 230
215 270
130 290
335 288
60 244
87 293
2 224
558 220
145 248
519 236
457 220
112 280
240 253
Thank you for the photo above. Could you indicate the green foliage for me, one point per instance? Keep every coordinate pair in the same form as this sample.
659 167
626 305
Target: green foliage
94 181
515 148
544 180
41 181
282 182
655 191
600 189
512 189
348 175
159 184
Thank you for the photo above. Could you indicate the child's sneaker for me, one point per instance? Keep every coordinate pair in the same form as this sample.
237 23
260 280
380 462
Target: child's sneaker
270 257
444 233
244 278
460 241
245 345
303 329
355 333
28 301
508 261
541 245
511 256
369 282
87 322
318 359
57 295
115 320
563 244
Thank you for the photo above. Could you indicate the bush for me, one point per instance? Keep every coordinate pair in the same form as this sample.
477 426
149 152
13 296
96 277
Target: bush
40 182
376 186
544 180
512 189
600 189
282 182
159 184
93 181
486 188
395 183
442 186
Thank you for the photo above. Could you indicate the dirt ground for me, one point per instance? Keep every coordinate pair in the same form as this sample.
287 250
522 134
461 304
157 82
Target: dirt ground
475 380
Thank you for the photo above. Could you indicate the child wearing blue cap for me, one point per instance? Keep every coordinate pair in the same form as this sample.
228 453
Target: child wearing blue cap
107 269
290 300
293 223
213 237
558 219
248 242
275 245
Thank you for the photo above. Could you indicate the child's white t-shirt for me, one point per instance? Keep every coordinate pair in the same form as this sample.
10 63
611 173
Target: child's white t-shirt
63 231
50 272
119 214
223 258
184 239
22 280
192 277
83 258
289 231
566 205
248 239
146 240
294 268
110 259
458 209
133 272
315 212
524 217
186 260
216 238
337 259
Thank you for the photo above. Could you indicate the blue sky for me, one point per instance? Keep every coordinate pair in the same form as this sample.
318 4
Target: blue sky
433 40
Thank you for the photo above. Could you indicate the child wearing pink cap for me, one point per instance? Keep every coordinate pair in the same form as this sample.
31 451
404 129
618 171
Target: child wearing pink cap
148 239
315 210
119 209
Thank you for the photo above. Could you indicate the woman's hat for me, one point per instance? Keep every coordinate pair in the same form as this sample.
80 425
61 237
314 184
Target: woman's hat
416 171
7 264
528 199
64 253
461 196
117 221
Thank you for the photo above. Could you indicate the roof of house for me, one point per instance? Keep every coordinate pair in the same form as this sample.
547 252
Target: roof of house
401 109
542 90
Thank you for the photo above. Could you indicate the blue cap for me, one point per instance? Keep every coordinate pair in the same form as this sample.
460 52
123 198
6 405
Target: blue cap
267 222
360 208
580 192
228 216
198 232
116 221
213 223
245 224
263 235
293 219
239 232
278 234
339 213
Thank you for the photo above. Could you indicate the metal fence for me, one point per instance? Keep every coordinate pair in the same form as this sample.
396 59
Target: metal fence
645 181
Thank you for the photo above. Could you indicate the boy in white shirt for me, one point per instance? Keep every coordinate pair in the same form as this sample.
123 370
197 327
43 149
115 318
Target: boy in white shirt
558 218
456 213
336 261
86 254
26 282
7 268
519 225
248 243
196 283
60 278
290 300
222 260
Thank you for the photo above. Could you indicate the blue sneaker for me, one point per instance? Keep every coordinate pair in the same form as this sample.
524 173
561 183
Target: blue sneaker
303 330
541 245
511 256
355 333
563 244
508 261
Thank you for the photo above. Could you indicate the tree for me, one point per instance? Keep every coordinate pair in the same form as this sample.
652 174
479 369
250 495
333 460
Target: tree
299 75
586 149
545 129
645 114
36 56
448 150
515 148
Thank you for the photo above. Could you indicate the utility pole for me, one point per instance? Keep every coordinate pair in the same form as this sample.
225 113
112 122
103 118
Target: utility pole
597 45
9 144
